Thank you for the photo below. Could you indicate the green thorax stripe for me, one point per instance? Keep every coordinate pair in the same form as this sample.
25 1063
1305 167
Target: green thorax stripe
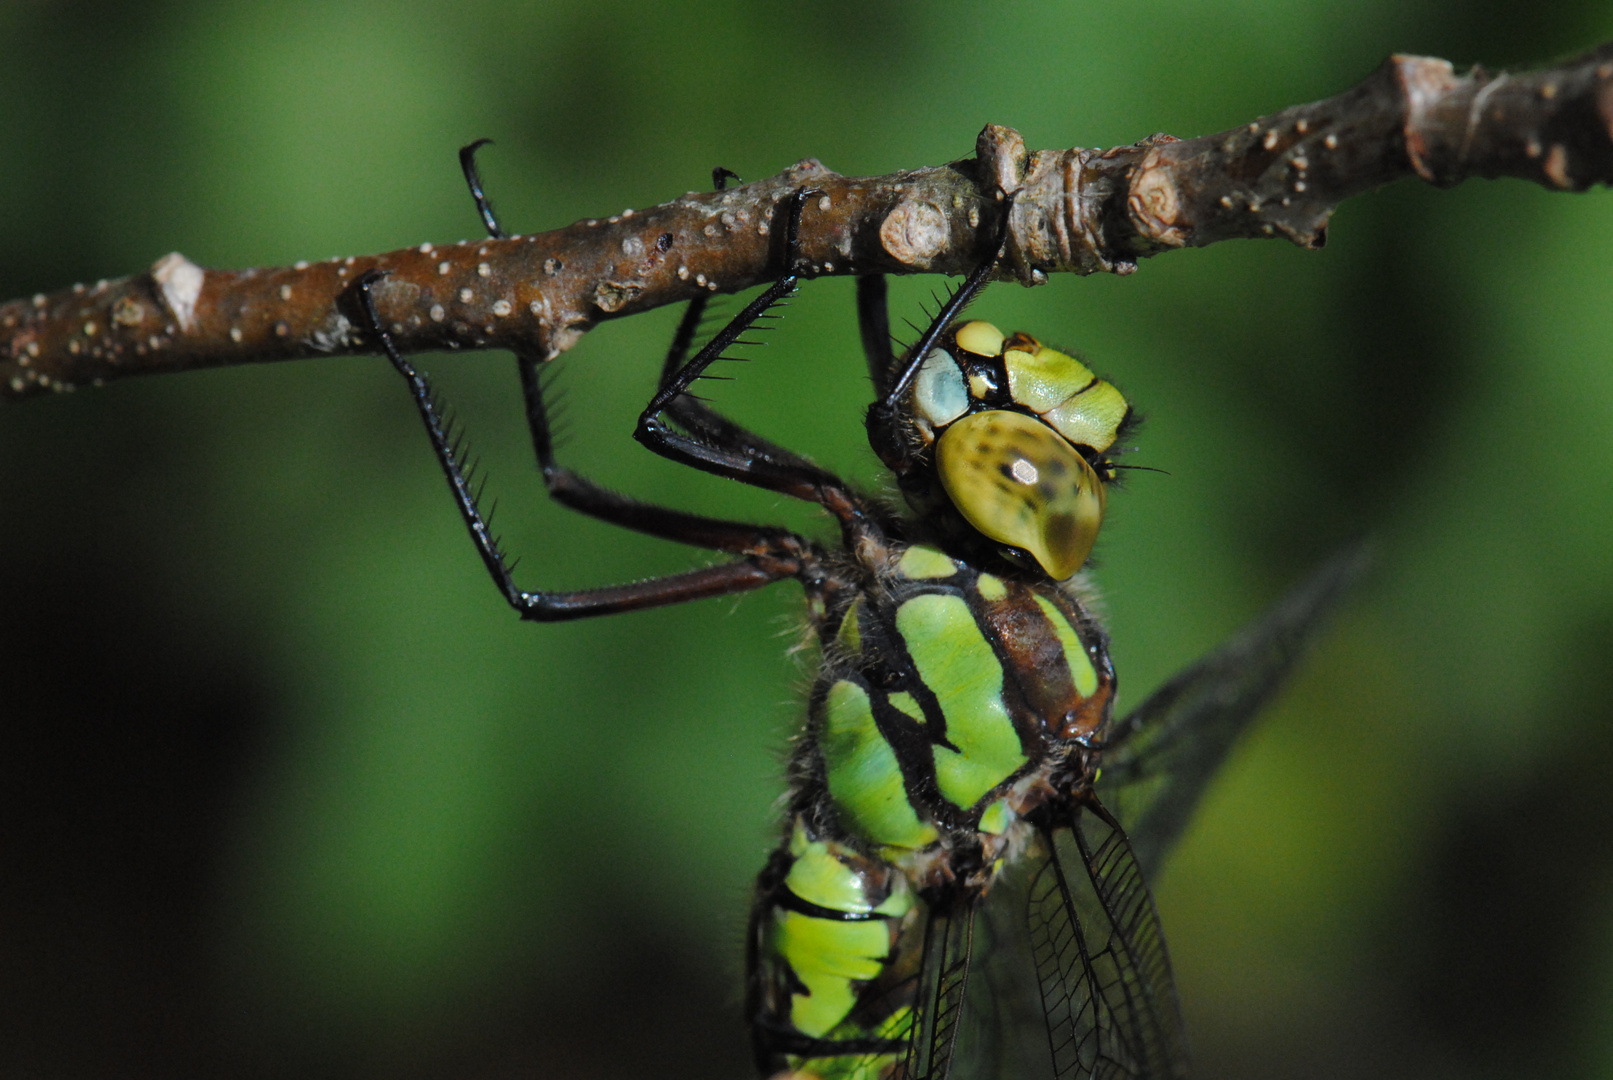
945 684
867 782
953 659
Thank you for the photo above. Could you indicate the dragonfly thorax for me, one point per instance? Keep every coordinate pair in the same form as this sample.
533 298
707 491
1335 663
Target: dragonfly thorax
948 699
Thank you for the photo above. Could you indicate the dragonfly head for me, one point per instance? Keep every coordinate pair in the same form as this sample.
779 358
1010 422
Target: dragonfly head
1010 435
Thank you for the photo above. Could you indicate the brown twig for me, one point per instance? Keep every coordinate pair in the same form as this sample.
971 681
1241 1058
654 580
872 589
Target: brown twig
1076 210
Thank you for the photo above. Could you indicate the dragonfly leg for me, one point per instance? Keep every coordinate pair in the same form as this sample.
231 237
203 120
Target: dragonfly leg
769 554
949 311
687 411
884 420
575 491
874 327
697 416
473 180
716 445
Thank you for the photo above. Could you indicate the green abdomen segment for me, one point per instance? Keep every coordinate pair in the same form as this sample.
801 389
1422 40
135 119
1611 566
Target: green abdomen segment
830 996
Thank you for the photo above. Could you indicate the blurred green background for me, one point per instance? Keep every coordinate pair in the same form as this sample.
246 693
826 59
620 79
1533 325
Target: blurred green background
286 791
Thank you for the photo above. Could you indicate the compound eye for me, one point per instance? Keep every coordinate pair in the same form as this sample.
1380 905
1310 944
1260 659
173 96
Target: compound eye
939 392
1019 483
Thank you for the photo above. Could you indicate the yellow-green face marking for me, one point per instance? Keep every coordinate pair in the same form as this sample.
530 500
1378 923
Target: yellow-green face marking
958 665
979 337
1063 391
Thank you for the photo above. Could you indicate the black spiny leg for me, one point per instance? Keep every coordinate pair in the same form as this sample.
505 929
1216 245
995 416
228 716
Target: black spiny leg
698 417
689 326
467 165
685 410
874 326
722 449
576 492
583 495
943 318
781 559
883 420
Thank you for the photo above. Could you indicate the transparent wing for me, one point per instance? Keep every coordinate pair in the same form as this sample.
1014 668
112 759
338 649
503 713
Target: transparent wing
1106 988
1162 755
1005 1037
943 979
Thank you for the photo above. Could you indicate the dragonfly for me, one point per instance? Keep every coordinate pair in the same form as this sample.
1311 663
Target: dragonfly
954 893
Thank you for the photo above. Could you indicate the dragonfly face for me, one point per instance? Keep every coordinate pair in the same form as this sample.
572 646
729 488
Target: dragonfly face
1000 445
950 766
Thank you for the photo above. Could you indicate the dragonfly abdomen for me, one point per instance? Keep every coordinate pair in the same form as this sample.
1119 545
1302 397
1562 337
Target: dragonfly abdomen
829 935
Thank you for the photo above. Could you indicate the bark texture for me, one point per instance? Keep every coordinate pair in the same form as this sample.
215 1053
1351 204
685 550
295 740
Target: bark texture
1076 210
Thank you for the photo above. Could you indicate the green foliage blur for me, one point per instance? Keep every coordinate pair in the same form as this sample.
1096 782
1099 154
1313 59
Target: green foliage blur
285 790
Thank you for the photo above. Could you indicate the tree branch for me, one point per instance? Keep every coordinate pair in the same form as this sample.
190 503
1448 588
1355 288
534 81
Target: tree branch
1077 210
